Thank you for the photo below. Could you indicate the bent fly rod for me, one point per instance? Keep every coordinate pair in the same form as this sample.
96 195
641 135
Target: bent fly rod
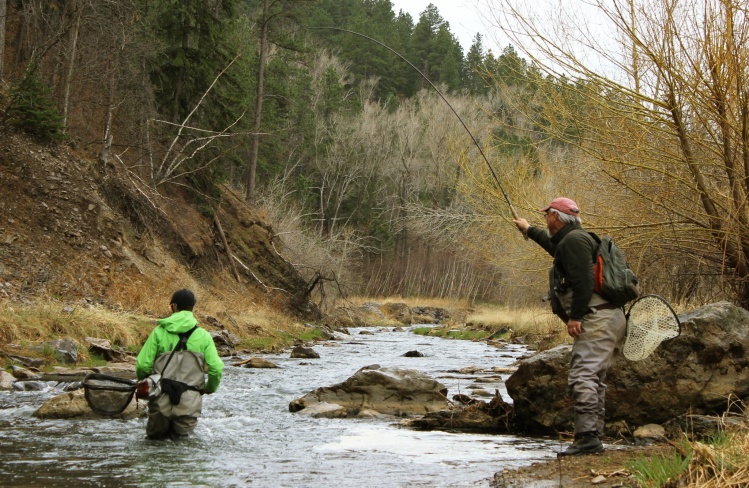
481 151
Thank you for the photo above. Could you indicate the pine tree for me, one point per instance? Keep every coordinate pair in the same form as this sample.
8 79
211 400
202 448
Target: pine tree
32 109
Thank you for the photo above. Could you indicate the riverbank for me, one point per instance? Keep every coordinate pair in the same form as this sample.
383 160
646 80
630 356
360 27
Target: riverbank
609 469
26 325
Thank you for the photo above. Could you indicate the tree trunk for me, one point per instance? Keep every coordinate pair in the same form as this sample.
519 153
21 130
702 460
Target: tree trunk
74 31
252 169
3 17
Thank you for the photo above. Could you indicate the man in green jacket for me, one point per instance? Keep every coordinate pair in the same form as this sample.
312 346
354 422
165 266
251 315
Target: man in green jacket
174 413
597 326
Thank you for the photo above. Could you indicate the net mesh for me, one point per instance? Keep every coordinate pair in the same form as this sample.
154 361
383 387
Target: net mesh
108 395
650 321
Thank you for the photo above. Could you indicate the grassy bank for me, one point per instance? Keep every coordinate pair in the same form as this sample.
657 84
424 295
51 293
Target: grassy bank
24 327
535 326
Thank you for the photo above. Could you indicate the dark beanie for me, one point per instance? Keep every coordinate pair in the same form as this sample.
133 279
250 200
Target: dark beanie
184 299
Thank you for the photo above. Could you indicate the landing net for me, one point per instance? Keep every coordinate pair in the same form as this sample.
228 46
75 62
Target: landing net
650 321
108 395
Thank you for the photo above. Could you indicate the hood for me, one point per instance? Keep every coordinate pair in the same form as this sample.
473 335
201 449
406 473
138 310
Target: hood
179 322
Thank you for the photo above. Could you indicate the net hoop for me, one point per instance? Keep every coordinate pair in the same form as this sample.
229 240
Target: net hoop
108 395
653 322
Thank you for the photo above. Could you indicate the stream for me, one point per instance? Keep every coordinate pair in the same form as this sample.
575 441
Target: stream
248 437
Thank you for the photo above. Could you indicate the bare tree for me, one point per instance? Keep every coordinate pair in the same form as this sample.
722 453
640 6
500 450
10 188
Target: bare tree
664 114
263 54
3 18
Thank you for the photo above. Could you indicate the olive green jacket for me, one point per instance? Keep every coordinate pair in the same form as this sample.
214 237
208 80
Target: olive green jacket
572 275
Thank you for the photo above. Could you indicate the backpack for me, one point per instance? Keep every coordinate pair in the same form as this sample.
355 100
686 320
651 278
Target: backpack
612 278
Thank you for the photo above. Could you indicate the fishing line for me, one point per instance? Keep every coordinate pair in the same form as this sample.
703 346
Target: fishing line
476 142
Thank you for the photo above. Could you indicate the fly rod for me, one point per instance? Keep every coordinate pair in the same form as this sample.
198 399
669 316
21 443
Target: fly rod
481 151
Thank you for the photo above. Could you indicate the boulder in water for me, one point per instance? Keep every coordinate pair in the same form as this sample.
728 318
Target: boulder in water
304 353
391 391
256 363
493 417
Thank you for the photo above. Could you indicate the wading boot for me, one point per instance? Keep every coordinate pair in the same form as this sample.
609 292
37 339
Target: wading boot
585 443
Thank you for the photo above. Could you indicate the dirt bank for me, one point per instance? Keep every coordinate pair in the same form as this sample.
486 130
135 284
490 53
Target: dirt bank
608 469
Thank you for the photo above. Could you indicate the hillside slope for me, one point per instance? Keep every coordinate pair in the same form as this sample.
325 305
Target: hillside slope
73 230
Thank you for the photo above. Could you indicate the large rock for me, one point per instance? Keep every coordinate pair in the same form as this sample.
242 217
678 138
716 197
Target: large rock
23 374
6 380
103 348
301 352
73 405
697 373
64 350
389 391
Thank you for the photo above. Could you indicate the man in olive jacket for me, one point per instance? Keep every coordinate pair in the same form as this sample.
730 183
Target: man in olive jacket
174 413
597 326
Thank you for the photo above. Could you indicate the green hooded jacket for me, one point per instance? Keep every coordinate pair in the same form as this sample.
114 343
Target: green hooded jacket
165 337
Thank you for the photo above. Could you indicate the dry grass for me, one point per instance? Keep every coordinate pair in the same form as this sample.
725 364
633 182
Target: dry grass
23 326
446 303
722 464
533 325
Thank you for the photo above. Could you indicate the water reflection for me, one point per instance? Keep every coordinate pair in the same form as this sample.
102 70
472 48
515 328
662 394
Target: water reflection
247 437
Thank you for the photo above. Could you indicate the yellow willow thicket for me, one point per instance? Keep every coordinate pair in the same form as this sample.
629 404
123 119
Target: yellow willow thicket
656 110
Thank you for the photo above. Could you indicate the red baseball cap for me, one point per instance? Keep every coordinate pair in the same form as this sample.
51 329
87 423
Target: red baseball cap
564 205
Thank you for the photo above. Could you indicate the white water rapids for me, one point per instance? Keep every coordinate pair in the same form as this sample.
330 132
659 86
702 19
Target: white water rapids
248 437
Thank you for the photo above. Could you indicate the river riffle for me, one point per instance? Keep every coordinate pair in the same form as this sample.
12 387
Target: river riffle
247 436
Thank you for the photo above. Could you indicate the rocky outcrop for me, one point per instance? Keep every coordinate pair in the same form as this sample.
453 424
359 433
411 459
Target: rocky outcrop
399 312
64 350
20 373
389 391
698 372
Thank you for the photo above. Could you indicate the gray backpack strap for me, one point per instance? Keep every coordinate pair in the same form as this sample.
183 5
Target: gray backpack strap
181 346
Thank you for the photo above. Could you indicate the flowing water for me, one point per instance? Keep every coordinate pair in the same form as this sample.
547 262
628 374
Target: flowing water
248 437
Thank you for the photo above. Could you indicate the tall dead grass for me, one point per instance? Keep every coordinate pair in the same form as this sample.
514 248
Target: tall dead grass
720 465
23 325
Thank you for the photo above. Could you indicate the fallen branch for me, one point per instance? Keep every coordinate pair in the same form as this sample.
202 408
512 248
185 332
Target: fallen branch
226 247
258 279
